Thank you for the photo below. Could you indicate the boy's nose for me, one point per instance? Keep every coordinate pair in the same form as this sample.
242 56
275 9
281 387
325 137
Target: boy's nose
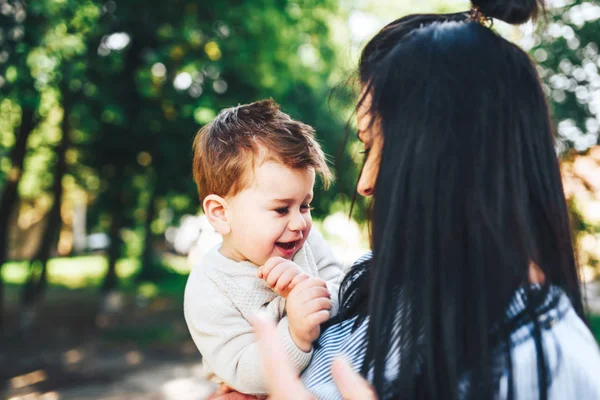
298 223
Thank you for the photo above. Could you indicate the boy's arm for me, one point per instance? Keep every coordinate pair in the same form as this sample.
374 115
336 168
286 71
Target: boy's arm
226 340
328 266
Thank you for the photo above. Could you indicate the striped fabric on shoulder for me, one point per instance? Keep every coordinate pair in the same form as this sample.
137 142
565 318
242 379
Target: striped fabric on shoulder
365 257
338 340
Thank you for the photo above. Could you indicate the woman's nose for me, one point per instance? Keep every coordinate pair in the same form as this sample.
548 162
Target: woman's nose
365 184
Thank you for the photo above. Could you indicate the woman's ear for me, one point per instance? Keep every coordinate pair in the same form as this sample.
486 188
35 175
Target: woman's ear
214 208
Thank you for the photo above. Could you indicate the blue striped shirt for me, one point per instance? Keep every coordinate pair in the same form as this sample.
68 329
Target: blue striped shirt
572 354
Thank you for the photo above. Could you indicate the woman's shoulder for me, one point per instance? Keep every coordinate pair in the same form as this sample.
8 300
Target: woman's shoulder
358 270
571 355
367 257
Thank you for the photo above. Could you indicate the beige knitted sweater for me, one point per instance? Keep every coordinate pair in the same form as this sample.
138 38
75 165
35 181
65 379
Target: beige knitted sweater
220 296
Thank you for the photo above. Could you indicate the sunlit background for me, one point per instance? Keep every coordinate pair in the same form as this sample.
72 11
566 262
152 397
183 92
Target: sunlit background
99 218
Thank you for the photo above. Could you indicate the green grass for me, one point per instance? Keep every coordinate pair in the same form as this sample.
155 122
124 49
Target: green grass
86 271
71 272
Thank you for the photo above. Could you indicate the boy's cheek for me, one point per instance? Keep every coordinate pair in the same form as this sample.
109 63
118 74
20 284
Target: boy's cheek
308 221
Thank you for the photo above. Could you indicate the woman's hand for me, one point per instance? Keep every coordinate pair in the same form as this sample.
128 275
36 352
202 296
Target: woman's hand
225 392
283 383
350 384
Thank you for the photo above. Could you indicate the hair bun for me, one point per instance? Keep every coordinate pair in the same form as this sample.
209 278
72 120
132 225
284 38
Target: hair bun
512 11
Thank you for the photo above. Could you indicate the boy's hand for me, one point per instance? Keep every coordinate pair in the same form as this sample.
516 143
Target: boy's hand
281 275
307 308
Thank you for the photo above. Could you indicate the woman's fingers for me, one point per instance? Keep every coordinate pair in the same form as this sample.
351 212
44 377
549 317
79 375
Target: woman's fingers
282 380
225 392
351 385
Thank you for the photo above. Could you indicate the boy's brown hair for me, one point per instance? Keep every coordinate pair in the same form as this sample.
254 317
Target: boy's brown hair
226 149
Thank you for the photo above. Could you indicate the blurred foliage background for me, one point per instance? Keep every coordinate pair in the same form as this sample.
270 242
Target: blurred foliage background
99 103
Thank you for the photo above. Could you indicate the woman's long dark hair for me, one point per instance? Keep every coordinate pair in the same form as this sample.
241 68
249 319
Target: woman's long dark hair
468 195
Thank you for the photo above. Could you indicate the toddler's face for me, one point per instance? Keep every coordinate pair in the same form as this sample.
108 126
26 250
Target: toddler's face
271 217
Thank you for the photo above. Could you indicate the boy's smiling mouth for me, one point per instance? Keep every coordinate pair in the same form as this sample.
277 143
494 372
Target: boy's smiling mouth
287 249
288 245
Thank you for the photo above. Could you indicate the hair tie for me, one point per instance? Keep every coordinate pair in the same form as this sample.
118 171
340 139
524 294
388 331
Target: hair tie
476 15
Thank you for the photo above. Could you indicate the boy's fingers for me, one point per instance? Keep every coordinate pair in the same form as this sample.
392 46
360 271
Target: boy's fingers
261 272
286 278
318 304
269 265
314 293
297 279
317 318
350 384
279 373
273 276
311 282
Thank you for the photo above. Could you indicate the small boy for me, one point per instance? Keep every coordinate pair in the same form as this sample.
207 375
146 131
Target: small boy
255 170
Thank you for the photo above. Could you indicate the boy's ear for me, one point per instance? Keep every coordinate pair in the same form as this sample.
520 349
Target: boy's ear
214 208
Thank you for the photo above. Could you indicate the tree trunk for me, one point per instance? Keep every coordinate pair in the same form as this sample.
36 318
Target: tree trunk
131 104
10 193
37 282
114 249
147 272
112 302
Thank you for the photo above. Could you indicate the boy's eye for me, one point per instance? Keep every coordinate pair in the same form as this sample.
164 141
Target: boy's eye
306 207
281 211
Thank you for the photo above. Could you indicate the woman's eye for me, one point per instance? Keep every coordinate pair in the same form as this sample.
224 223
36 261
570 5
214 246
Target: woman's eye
366 151
281 211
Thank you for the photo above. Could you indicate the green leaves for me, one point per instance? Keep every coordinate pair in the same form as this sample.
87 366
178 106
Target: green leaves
566 48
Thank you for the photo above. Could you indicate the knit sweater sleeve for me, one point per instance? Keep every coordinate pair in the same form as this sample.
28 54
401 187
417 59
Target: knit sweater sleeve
226 340
328 266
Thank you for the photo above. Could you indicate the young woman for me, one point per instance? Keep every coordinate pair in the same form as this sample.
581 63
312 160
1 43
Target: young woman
472 289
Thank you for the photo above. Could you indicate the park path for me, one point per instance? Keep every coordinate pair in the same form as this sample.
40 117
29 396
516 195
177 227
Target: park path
167 381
